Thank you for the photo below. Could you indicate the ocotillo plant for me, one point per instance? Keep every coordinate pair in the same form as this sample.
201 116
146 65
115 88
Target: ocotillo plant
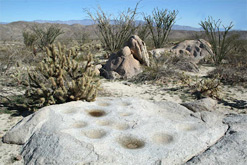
160 24
221 45
114 32
59 79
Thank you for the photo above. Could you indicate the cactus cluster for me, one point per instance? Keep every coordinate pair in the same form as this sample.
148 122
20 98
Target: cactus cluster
206 87
59 78
209 87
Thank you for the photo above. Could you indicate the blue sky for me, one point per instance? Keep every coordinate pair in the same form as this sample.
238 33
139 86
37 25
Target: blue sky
191 12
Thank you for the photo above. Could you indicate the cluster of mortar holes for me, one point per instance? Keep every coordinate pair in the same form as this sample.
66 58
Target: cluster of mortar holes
130 142
95 134
103 104
104 122
121 126
79 124
70 111
162 138
187 127
96 113
125 114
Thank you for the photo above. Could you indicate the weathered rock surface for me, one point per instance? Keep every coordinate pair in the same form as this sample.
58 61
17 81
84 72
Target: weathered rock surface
127 62
206 104
115 131
138 49
193 48
157 53
183 63
231 149
121 65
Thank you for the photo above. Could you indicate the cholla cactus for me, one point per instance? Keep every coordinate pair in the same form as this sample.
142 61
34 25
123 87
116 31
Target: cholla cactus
207 87
59 79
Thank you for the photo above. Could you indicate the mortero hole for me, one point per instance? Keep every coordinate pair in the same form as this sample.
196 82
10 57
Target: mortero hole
96 113
131 142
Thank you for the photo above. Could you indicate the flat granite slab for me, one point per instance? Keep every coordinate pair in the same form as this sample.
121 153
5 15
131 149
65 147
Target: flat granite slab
115 131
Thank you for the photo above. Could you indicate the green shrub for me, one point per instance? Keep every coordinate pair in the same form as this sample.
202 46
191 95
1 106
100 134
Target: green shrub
60 79
160 24
29 39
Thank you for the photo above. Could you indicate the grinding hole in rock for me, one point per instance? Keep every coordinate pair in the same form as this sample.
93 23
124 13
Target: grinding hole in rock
103 104
96 113
79 124
162 138
95 134
131 142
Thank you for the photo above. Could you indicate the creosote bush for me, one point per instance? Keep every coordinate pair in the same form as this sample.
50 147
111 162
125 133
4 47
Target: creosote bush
60 79
160 24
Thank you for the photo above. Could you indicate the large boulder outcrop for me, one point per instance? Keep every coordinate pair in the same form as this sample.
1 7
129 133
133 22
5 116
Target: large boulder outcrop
121 65
115 131
127 62
193 48
138 49
184 56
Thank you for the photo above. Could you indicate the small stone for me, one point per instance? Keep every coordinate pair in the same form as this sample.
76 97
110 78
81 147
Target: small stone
18 157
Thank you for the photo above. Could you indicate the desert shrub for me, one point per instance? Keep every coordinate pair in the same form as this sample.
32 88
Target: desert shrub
12 56
29 39
236 56
220 41
234 71
160 24
230 74
46 36
81 37
158 76
205 87
114 32
158 71
59 78
209 87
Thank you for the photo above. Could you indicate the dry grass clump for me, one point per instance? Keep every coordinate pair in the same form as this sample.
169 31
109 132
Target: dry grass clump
231 75
157 75
160 71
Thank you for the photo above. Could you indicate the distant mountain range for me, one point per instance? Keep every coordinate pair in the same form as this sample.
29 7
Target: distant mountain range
90 22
